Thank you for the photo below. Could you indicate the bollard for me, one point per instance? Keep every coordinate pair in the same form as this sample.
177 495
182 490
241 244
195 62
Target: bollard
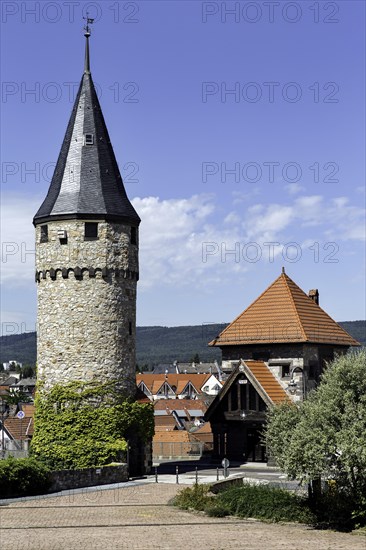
156 474
177 474
196 475
217 474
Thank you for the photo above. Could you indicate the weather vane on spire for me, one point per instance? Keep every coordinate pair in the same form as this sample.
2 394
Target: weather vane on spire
89 21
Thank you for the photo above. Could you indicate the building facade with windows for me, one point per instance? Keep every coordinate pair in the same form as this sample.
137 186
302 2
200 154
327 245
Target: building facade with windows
275 350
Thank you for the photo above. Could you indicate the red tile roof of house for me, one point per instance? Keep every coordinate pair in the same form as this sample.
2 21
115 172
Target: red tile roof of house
165 423
268 382
261 378
19 429
28 409
283 313
176 436
154 381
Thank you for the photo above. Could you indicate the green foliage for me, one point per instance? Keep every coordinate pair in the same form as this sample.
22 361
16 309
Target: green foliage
325 437
264 502
28 371
195 498
84 425
15 397
255 501
23 476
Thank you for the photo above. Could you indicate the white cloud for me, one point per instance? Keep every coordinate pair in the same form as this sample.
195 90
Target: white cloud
176 232
17 239
176 237
294 188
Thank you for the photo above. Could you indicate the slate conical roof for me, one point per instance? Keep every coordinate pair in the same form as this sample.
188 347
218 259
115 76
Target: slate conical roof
87 182
283 313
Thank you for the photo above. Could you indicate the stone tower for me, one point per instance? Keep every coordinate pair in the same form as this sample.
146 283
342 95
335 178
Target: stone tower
87 257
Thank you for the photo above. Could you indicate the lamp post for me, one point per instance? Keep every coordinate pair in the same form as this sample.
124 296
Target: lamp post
2 411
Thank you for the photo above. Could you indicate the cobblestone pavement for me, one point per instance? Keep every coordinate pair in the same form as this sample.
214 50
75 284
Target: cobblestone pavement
137 517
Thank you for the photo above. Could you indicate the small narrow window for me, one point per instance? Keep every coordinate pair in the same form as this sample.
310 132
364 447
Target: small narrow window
91 231
88 139
133 235
44 233
285 370
62 235
130 328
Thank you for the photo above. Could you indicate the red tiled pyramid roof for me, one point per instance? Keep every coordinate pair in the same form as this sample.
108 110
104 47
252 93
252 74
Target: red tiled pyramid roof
283 313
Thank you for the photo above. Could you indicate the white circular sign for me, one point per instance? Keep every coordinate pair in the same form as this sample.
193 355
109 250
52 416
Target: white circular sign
20 415
225 463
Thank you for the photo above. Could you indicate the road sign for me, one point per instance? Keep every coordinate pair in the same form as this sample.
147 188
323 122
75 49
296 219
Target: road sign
20 415
225 463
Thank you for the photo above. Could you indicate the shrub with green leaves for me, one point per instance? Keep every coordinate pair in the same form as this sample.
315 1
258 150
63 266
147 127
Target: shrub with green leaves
254 501
85 425
265 502
23 476
325 437
195 498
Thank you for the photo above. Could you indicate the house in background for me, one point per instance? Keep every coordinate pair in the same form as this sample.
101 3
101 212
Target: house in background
178 386
180 429
275 350
16 432
189 368
25 385
11 365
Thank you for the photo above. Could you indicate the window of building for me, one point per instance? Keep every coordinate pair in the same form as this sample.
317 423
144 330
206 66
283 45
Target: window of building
88 139
285 370
313 369
130 328
252 399
62 235
133 235
44 233
91 231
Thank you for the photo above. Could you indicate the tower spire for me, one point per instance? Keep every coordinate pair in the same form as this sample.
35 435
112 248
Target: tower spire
89 21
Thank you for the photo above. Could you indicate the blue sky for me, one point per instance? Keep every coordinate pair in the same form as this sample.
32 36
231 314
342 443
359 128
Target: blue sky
238 126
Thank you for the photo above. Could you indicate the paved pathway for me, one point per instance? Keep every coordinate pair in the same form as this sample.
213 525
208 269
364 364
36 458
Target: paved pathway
137 517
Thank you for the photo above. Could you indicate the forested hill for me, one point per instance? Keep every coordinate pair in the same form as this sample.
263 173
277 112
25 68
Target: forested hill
155 344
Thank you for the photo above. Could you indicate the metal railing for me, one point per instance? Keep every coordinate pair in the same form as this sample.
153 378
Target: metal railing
178 449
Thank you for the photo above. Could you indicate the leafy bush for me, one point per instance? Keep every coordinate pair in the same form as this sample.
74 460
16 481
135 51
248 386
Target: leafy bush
195 498
23 476
256 501
338 509
264 502
84 425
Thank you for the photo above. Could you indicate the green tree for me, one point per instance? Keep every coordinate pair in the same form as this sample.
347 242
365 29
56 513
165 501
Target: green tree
325 436
15 397
27 372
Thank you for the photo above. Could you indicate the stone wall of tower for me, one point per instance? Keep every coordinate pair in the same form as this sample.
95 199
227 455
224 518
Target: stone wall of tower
87 305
